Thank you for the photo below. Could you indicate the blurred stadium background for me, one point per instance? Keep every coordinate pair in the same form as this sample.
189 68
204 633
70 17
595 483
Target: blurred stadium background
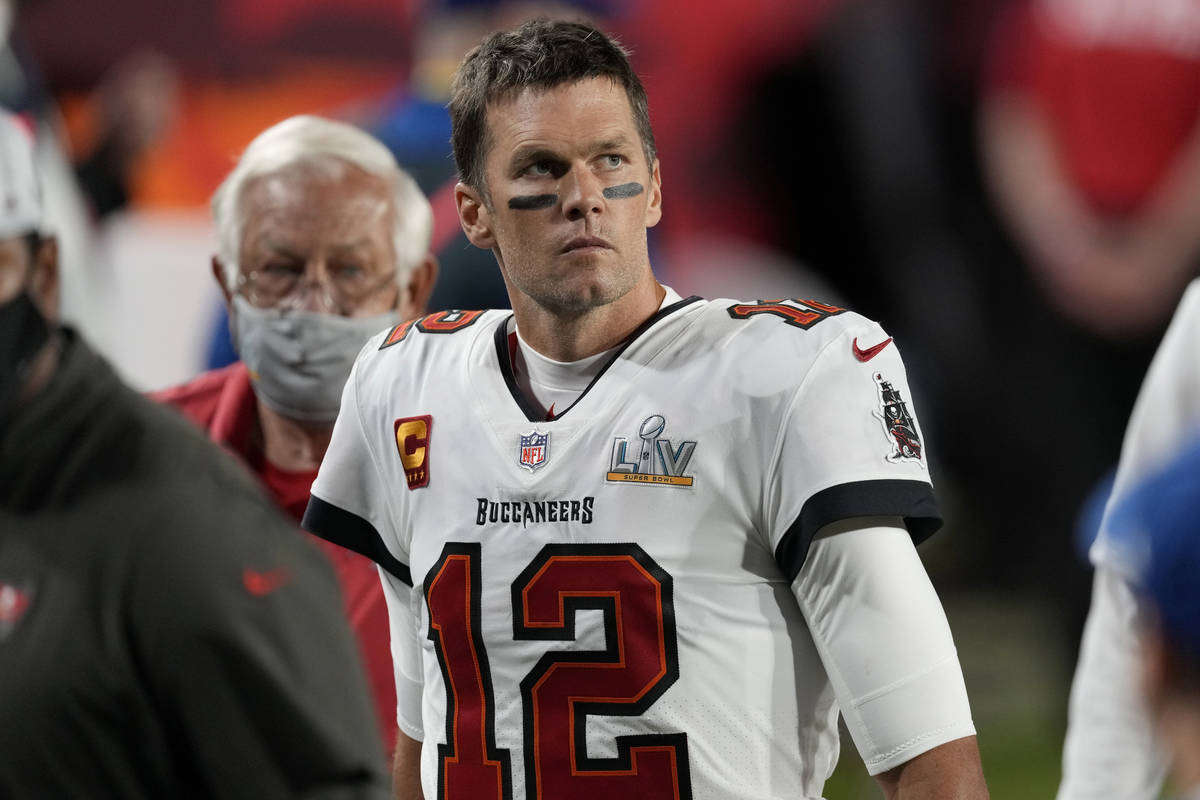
844 150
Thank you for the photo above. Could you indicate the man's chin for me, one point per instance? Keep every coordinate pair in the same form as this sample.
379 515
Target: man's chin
581 299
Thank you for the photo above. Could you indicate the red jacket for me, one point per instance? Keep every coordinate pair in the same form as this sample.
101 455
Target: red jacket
222 402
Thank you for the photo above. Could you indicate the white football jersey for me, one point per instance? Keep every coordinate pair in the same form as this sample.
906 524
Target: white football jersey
603 599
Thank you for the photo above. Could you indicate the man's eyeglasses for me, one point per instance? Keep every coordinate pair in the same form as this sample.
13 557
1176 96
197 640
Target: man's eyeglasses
343 290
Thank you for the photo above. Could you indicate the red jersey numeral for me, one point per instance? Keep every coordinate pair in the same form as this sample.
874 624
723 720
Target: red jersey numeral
469 763
448 321
397 334
801 313
639 664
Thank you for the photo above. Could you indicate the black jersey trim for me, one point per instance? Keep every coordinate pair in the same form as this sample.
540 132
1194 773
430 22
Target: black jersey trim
912 500
352 532
532 413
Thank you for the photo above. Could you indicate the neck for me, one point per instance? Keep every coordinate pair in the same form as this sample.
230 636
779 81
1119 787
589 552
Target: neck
292 445
572 335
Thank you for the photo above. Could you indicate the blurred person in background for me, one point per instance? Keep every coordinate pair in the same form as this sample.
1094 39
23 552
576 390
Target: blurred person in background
163 633
323 241
133 103
1156 527
1091 139
1088 126
1110 749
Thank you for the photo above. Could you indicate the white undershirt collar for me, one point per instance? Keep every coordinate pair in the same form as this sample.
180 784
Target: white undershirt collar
555 385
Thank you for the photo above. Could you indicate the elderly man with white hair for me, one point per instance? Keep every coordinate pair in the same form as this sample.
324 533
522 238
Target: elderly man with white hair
323 241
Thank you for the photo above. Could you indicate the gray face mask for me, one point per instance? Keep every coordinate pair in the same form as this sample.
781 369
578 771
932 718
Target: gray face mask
299 360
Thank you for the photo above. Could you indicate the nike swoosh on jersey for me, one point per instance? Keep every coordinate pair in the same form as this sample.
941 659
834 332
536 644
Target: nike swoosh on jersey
866 355
261 584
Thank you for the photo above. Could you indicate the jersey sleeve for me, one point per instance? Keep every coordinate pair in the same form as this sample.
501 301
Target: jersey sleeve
1165 416
849 445
349 501
884 641
403 619
238 630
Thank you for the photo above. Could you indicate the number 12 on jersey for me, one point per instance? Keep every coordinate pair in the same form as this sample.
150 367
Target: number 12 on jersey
639 663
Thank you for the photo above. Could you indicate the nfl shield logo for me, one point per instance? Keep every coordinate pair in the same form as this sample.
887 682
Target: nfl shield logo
534 450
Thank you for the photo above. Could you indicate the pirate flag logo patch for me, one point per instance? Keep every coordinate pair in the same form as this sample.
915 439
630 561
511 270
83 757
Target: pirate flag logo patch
897 423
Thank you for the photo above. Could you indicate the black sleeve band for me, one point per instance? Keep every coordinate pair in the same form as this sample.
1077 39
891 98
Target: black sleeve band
353 533
912 500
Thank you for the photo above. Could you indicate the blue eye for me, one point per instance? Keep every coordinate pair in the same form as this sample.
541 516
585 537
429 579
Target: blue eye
614 161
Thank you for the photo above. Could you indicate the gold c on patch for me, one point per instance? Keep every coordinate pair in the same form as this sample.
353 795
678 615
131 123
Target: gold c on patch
412 441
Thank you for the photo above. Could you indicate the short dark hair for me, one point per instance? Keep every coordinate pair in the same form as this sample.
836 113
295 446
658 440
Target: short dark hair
540 54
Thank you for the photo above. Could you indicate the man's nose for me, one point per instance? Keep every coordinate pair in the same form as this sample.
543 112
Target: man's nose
583 192
314 292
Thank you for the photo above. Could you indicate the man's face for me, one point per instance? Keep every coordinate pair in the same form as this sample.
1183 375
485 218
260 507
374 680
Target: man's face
22 269
15 263
571 195
319 240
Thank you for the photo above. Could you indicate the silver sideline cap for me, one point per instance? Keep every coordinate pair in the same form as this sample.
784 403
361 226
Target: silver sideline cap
20 193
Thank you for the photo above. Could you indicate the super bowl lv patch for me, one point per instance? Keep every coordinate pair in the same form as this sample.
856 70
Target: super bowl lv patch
898 423
656 461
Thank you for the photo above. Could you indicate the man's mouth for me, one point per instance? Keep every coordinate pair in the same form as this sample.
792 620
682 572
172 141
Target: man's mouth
585 243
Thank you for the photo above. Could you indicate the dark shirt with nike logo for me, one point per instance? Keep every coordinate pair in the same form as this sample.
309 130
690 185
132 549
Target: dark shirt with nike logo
162 632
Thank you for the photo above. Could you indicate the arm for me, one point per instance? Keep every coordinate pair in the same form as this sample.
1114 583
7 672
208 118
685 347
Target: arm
844 504
406 659
925 775
406 769
883 637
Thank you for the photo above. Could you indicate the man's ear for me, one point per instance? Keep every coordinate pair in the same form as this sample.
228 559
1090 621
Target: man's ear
654 203
474 216
414 298
218 271
43 282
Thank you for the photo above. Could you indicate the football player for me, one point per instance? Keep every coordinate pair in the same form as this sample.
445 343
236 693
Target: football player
636 544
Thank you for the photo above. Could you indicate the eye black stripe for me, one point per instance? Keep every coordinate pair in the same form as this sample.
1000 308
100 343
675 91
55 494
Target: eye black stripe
624 190
533 202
